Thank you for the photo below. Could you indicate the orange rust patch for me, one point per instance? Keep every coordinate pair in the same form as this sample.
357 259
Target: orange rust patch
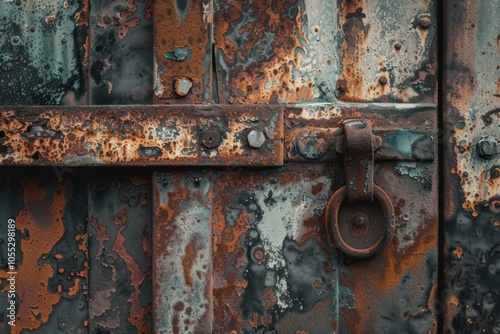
191 253
139 321
72 291
458 252
44 223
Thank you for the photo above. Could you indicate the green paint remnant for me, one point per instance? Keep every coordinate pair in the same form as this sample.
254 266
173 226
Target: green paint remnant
404 140
178 54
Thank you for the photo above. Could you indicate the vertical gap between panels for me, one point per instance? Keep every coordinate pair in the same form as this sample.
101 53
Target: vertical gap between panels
441 137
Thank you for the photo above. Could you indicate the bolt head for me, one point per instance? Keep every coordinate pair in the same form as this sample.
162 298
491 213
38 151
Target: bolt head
210 139
182 86
256 138
359 220
487 148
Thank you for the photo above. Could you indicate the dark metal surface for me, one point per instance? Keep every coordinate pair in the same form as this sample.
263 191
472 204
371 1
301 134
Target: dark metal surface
121 52
137 136
471 94
120 251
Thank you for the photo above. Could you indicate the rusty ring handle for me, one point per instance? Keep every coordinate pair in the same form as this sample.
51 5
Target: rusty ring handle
333 230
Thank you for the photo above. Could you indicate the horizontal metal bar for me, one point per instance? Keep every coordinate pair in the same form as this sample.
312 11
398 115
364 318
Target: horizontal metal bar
314 144
205 135
142 135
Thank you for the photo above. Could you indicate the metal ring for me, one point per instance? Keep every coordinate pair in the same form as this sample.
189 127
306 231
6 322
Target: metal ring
332 224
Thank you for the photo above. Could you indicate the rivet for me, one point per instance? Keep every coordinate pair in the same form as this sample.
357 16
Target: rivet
256 138
50 20
397 46
16 40
310 145
107 20
495 173
182 86
382 81
487 148
259 254
359 219
424 22
210 139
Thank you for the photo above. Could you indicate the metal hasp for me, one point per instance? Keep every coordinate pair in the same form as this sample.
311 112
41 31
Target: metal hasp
360 216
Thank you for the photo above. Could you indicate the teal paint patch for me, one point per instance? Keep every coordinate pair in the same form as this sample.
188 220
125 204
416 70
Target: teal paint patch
179 54
404 140
41 53
182 6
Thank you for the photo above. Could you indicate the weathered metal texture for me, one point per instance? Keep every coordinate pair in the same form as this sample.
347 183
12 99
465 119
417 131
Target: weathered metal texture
120 277
182 36
472 185
314 133
388 51
121 52
275 51
138 136
274 270
395 291
51 260
182 252
43 52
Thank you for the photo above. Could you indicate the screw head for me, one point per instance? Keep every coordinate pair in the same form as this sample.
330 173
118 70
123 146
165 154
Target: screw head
256 138
182 86
210 139
487 148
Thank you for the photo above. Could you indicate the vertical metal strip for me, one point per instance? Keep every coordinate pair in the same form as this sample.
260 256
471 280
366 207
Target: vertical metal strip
182 252
182 38
120 256
121 52
49 272
471 98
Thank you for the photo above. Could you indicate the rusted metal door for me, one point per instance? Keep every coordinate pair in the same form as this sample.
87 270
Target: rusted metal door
217 166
